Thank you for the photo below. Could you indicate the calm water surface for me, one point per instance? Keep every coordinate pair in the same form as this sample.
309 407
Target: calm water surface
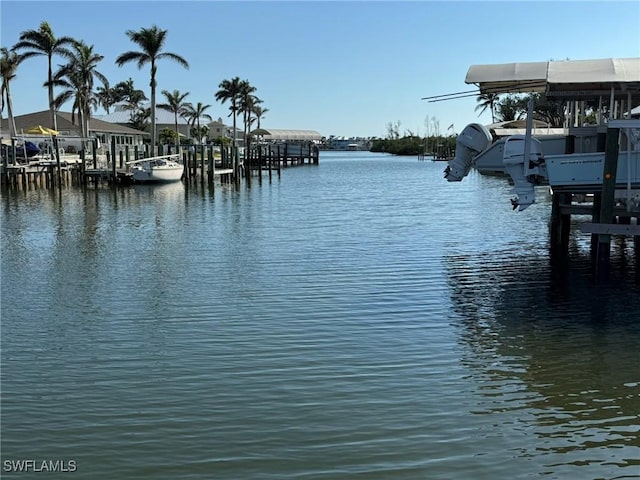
357 319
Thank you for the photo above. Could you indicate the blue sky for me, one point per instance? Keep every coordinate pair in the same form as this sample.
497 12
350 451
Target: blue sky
341 68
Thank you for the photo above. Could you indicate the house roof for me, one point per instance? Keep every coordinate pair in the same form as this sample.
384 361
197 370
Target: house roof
65 123
283 134
569 78
163 117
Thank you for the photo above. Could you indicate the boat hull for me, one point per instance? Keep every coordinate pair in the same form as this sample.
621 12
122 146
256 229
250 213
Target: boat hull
584 172
157 170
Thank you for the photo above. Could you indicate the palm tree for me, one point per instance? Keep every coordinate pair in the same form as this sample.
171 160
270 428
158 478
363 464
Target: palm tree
151 41
140 119
195 114
259 112
9 61
247 102
43 42
176 105
77 78
127 92
487 100
230 90
106 97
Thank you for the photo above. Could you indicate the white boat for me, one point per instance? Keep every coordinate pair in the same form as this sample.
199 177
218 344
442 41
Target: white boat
162 169
575 172
532 161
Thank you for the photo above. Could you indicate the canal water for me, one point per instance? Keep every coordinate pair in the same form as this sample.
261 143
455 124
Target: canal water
361 318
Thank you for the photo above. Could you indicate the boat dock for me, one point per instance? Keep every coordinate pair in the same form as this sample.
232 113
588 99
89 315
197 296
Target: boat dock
203 164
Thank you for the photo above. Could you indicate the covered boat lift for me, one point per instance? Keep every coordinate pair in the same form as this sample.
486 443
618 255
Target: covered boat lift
610 82
287 135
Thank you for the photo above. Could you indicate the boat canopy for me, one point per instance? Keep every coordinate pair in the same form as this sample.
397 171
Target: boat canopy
567 79
509 77
283 134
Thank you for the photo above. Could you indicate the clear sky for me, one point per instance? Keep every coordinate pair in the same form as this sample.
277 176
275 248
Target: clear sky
338 67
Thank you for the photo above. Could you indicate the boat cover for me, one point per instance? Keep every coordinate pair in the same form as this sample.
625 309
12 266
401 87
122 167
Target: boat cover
563 78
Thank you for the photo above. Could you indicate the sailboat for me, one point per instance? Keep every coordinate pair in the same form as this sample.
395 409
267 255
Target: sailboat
161 169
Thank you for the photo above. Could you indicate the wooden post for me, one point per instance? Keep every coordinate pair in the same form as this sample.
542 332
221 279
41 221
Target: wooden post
185 171
212 166
113 160
5 168
260 164
603 240
202 150
57 154
82 176
236 167
247 166
95 153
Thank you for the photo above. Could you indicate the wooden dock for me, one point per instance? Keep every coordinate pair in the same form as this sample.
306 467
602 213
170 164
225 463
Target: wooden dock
203 164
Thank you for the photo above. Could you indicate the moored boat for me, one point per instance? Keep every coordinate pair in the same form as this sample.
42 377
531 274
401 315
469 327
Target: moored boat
162 169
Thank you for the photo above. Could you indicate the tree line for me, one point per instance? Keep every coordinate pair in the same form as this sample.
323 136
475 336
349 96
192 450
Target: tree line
503 108
76 82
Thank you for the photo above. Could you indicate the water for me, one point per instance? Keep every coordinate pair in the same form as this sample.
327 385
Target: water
357 319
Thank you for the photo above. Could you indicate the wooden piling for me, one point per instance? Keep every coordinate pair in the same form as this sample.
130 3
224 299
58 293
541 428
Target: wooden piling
603 240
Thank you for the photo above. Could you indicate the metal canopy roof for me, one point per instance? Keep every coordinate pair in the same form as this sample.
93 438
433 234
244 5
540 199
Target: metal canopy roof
283 134
570 78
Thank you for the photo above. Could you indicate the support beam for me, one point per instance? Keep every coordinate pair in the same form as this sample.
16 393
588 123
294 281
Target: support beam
603 240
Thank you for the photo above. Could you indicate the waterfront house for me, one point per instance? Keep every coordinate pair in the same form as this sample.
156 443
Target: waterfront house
70 132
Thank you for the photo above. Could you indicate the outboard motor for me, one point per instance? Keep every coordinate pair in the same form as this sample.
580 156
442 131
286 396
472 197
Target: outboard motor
471 141
527 174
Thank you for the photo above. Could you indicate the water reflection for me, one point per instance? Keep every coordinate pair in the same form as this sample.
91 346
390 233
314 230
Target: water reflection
553 355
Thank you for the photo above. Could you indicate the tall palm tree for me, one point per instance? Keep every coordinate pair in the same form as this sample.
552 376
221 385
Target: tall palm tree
230 90
9 61
195 114
176 105
247 101
487 100
259 112
78 78
43 42
151 42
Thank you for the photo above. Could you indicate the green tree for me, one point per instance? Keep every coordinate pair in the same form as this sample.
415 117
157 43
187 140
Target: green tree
199 132
9 61
231 90
246 104
259 112
77 78
194 114
487 100
167 135
548 110
176 105
127 92
43 42
140 119
106 97
510 107
151 42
